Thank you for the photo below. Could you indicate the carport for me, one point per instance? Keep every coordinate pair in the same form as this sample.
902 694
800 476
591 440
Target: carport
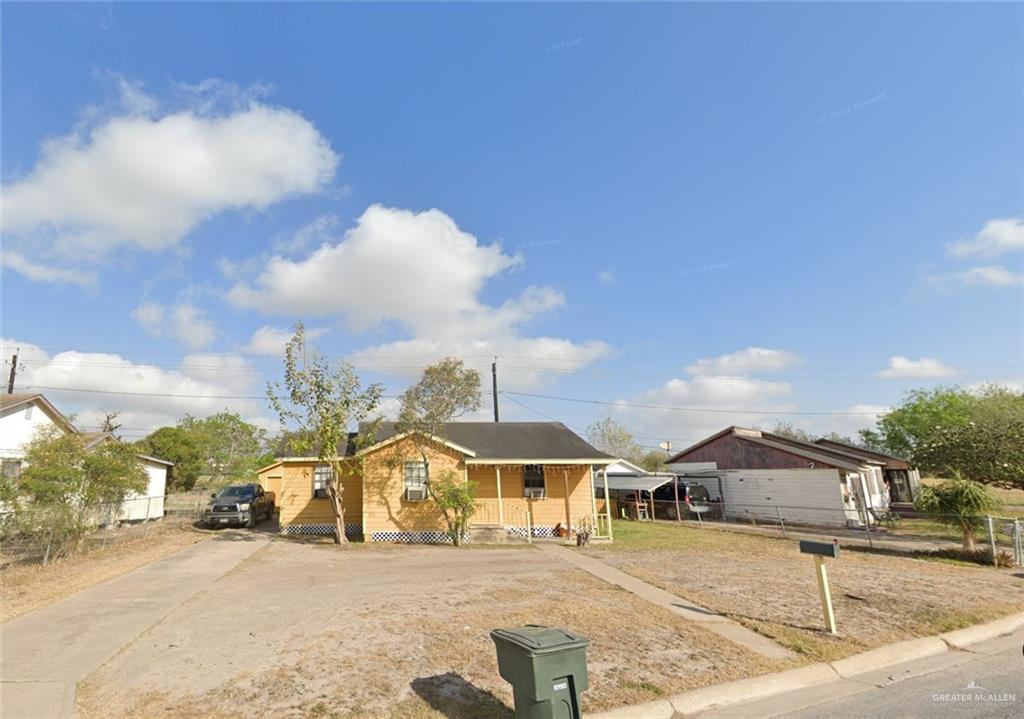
626 477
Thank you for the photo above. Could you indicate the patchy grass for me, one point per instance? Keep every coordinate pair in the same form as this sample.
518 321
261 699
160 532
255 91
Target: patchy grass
26 587
400 632
766 584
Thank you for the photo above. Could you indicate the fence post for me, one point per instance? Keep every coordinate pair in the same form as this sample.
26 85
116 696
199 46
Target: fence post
991 539
867 528
782 522
1018 545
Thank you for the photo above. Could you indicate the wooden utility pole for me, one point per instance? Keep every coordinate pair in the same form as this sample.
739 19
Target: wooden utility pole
494 386
14 371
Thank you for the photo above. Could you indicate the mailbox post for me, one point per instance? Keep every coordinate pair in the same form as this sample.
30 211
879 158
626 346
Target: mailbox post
820 550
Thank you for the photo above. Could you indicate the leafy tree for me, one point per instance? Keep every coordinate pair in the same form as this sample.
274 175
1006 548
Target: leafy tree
181 446
612 438
318 400
445 390
231 448
653 460
71 488
901 430
457 501
959 503
988 448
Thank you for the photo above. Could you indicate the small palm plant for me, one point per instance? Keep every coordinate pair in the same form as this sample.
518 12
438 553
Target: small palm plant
960 503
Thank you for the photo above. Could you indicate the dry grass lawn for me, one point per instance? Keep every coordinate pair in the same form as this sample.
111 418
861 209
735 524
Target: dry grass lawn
768 585
402 632
26 587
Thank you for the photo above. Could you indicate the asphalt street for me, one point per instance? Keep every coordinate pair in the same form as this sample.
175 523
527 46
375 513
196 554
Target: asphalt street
985 687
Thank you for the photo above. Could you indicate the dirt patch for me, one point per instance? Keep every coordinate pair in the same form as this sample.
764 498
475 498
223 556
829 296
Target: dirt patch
768 585
402 632
26 587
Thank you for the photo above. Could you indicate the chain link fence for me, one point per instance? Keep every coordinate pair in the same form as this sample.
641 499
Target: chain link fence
43 534
998 540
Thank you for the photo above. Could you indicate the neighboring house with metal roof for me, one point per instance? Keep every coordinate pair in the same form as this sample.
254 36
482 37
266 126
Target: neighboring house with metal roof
531 478
763 475
24 415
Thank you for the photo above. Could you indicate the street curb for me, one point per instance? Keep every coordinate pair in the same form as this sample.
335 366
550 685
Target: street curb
890 654
743 690
980 632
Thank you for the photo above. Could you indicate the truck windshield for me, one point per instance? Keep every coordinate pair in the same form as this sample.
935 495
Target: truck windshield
235 492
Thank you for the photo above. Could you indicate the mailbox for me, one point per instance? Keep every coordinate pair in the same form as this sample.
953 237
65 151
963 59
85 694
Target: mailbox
822 549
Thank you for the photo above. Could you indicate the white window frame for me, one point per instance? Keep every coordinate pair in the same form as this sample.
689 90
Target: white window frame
322 475
417 480
11 462
543 480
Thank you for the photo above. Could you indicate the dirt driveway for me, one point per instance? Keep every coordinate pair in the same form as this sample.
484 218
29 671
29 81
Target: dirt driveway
304 630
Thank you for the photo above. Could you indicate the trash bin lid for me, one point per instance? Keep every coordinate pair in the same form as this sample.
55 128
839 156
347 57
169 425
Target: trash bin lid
537 639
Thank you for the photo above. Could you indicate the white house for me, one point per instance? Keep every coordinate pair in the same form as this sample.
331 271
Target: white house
23 415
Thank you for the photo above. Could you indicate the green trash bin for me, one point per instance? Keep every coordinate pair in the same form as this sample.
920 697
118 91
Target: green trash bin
547 669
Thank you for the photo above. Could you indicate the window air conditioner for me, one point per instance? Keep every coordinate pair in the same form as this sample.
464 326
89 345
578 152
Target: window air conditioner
415 494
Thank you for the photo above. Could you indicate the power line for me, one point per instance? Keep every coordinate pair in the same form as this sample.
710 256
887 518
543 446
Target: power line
680 409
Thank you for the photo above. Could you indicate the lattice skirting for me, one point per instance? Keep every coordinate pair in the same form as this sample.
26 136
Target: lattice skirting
434 537
537 531
327 530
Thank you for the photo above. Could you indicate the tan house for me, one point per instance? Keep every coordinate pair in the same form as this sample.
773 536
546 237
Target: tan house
531 477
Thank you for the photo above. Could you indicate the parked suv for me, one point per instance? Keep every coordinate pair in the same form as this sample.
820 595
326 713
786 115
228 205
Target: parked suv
240 505
690 493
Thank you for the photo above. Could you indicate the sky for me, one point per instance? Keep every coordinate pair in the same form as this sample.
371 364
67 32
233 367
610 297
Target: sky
683 216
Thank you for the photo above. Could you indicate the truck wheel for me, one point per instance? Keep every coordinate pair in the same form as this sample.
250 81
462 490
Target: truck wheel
251 524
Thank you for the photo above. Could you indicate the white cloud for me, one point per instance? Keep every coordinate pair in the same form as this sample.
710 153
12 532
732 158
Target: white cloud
418 269
185 321
206 379
995 238
727 396
423 273
45 273
985 276
150 316
319 231
924 368
607 276
270 341
146 182
746 361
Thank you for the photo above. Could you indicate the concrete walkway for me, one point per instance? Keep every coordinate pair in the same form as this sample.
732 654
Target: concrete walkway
710 620
45 653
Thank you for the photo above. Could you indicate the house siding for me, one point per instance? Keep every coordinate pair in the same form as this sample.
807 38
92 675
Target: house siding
301 512
387 515
567 499
732 452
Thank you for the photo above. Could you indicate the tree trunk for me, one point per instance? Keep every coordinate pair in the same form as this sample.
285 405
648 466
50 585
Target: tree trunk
336 492
968 534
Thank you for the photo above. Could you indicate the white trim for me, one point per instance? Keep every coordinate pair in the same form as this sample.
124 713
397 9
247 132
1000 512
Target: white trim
567 462
155 460
391 440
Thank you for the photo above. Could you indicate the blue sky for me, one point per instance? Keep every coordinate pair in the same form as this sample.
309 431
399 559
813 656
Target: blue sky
822 202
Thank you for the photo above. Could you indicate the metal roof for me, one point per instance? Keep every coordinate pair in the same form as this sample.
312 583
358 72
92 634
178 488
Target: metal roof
646 483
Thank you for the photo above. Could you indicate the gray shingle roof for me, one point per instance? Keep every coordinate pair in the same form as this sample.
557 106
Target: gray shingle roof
513 440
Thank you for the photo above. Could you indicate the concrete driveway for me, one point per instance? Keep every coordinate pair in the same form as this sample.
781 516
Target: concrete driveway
45 653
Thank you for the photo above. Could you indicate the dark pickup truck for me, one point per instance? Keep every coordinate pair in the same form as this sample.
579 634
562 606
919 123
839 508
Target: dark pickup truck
240 505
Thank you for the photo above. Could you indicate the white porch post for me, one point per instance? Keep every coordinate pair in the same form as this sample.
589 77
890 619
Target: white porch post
501 508
593 498
607 500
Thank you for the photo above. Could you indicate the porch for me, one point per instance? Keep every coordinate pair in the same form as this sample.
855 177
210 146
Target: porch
537 500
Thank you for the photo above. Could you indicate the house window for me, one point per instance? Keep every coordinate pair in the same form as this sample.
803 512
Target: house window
533 480
415 481
11 468
321 476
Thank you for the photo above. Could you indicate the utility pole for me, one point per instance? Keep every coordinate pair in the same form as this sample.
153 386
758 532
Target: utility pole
494 386
14 371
